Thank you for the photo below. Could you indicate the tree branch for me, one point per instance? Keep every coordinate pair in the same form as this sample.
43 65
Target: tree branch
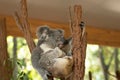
24 25
5 63
90 75
110 60
116 59
79 44
104 66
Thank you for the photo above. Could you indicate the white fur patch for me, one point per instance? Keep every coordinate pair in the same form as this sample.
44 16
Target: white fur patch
45 47
60 53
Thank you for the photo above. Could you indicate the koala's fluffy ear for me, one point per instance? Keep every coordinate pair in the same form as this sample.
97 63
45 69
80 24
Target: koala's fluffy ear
41 29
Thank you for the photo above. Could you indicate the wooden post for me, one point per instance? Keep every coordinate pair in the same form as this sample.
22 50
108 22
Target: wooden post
5 64
78 45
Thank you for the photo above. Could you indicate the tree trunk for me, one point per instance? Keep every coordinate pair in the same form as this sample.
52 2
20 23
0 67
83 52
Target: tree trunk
90 75
78 45
24 26
118 75
117 64
15 59
104 66
5 64
116 59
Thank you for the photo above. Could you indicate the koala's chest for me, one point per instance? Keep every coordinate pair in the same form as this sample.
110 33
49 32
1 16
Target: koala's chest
47 58
45 48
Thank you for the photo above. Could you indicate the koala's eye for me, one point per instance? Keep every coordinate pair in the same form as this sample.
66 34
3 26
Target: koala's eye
59 37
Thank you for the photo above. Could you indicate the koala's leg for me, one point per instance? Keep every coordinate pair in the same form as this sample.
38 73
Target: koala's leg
43 73
35 57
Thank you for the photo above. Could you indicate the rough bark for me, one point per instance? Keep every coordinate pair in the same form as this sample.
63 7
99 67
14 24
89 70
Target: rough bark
78 45
24 26
5 63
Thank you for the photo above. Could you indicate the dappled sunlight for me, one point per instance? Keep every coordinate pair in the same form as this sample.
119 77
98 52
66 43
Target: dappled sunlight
23 59
92 62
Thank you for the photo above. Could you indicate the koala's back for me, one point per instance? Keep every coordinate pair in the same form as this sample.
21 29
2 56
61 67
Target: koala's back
36 56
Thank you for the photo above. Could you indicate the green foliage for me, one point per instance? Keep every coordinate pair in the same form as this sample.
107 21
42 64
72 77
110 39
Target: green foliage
93 63
25 70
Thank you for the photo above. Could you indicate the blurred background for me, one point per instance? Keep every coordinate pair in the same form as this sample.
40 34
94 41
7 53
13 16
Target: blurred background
101 61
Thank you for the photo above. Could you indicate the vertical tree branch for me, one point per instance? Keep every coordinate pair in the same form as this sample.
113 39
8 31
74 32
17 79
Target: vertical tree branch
79 45
118 75
5 64
116 64
24 25
116 59
70 19
104 66
90 75
110 60
15 58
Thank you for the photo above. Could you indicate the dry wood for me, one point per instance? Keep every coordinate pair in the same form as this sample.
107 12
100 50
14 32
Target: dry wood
24 26
79 45
70 19
5 63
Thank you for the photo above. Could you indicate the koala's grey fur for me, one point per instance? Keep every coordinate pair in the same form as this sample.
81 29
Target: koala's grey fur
41 60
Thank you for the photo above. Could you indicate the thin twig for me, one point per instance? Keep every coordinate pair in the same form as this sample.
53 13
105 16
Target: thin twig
70 21
111 74
18 22
90 75
24 25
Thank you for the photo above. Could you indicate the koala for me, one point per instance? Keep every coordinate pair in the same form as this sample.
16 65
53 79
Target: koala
61 67
48 55
66 46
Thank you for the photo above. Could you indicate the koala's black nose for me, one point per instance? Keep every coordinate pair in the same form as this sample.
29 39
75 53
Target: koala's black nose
66 41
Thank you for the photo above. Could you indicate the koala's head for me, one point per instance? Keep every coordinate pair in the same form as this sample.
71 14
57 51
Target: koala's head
50 35
42 32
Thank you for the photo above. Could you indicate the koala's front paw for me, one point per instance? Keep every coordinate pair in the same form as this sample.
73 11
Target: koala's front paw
68 57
